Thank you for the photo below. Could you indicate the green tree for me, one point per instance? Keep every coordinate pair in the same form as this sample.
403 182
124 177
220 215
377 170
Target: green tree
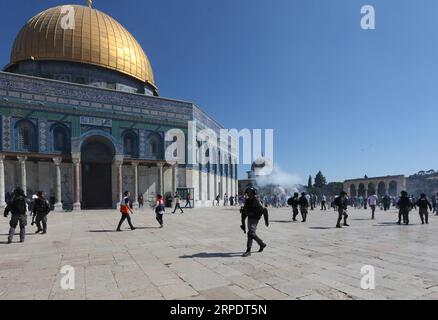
320 180
309 183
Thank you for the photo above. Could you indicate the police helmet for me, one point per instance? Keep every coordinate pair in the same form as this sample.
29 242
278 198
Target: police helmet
250 190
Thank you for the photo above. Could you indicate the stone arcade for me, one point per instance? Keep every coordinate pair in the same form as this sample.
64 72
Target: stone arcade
81 119
389 185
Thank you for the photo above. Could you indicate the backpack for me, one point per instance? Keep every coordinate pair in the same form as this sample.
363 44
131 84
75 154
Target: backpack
290 201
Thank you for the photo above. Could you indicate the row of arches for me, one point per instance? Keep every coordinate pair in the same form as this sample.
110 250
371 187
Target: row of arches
131 145
27 140
27 137
381 189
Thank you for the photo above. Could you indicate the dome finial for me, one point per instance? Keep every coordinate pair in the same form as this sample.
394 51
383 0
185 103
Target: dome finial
90 3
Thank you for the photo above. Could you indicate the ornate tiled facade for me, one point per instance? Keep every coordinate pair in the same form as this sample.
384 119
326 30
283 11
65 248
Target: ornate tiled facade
87 112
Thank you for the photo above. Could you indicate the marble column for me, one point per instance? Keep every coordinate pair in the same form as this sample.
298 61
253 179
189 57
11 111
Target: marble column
175 177
2 182
58 204
77 173
22 161
119 166
160 178
136 193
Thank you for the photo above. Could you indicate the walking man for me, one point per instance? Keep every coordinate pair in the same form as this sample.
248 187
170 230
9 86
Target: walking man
40 210
323 203
424 206
125 210
253 210
304 206
18 208
341 204
294 203
188 200
372 200
405 205
177 203
160 210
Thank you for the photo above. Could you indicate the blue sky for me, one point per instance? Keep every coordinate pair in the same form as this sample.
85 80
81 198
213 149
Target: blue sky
342 100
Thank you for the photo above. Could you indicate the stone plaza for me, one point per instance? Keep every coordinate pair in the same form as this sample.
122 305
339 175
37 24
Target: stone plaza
198 256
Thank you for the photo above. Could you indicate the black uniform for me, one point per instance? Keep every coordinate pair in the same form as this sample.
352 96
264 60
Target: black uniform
304 207
294 203
41 209
386 203
18 209
341 204
424 205
254 211
404 205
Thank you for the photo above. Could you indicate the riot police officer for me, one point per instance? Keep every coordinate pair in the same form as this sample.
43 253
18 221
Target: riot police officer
294 203
18 208
304 206
341 204
405 206
253 210
40 210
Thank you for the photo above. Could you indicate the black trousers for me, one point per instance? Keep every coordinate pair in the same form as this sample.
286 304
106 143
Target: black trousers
323 206
188 204
41 218
373 211
159 218
252 234
403 213
342 214
304 212
424 215
178 206
125 217
15 220
295 213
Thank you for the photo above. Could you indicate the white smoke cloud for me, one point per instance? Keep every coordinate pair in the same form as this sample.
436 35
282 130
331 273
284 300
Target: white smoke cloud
280 178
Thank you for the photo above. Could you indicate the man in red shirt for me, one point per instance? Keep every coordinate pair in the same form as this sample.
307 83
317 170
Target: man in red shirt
125 210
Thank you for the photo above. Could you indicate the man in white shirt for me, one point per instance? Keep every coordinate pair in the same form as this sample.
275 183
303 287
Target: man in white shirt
372 200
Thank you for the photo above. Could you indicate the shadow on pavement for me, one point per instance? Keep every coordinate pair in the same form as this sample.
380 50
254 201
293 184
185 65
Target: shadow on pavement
281 221
394 224
146 228
212 255
322 228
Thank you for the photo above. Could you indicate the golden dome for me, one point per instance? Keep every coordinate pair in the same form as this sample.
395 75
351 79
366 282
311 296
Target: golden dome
96 39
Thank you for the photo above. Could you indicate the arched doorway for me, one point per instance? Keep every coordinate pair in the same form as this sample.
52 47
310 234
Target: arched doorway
353 191
97 158
371 188
392 190
361 191
381 189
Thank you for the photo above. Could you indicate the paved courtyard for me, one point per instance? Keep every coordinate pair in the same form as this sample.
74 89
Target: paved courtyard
197 256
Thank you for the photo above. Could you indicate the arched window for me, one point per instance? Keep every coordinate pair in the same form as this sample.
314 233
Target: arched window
154 146
61 139
26 136
130 144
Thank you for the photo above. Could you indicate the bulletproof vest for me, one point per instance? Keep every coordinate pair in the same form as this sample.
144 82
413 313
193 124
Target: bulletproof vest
19 206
